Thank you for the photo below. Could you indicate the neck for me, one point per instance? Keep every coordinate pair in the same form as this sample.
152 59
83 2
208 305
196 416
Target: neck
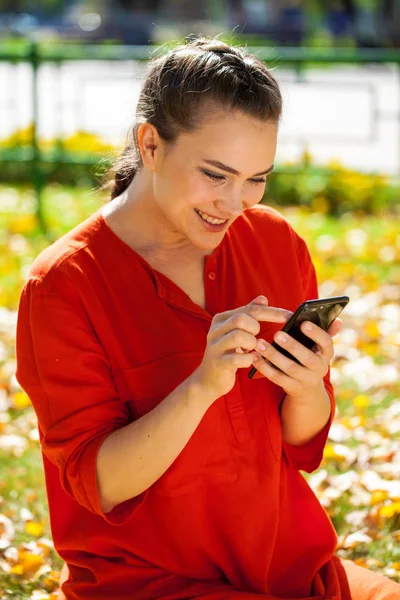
143 226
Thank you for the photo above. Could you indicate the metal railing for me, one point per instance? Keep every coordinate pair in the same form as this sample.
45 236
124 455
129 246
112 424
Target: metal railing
37 54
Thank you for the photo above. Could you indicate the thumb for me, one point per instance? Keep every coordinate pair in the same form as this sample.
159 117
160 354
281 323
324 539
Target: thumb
260 300
336 327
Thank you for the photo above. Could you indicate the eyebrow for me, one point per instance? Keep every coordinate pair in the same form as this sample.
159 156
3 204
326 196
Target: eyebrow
223 167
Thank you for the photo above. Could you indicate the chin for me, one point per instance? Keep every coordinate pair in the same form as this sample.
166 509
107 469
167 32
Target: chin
209 245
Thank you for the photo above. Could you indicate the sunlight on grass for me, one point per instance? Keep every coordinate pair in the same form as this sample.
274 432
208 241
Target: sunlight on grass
358 481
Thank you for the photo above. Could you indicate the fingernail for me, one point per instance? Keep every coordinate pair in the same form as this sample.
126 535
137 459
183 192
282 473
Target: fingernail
261 345
282 337
263 298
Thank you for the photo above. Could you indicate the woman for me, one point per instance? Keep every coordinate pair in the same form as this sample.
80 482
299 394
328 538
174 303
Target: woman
170 473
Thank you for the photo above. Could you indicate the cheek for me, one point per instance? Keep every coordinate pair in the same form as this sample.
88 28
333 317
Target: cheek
198 193
253 195
182 193
173 190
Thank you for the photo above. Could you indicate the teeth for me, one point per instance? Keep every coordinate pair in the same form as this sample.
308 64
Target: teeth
205 217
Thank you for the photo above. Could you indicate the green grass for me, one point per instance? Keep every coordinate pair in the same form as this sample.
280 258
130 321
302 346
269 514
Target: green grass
341 264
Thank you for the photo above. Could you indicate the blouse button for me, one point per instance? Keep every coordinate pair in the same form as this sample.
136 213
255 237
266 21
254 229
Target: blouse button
212 275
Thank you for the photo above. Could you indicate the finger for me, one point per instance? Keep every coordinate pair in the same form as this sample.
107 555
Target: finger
269 313
335 327
318 335
231 360
276 376
260 300
222 317
306 357
237 338
286 364
239 320
225 322
257 310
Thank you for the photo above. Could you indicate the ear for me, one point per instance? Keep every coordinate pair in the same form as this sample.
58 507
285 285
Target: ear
150 145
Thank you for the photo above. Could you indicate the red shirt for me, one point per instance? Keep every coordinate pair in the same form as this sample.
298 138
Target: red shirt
102 338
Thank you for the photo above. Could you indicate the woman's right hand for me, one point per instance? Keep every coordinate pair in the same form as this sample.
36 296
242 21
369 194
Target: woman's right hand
232 345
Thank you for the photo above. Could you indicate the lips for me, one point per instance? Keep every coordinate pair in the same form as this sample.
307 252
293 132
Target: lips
213 220
212 227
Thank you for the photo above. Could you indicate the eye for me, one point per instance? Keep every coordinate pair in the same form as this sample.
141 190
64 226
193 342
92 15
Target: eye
256 181
213 176
216 177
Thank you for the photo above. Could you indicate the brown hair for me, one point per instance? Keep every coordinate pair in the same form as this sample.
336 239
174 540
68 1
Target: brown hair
188 78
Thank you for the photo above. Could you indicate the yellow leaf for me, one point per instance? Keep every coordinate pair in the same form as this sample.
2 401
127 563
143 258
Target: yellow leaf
361 562
372 348
359 421
361 401
30 562
22 224
21 400
51 582
334 451
320 204
396 565
17 569
317 264
34 528
378 496
390 510
44 548
329 452
372 330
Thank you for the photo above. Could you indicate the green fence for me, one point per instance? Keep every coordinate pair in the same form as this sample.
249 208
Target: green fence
37 54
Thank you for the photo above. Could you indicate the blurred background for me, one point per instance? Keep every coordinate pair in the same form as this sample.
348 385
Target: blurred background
363 23
70 74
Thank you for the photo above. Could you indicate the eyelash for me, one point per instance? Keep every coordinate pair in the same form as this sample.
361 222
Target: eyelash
216 177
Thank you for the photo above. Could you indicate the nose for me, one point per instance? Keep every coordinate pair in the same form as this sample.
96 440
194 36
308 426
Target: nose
231 205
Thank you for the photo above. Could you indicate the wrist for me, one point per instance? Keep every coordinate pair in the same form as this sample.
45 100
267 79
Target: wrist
308 396
198 392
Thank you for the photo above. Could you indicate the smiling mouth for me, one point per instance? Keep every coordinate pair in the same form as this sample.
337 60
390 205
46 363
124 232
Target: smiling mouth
209 219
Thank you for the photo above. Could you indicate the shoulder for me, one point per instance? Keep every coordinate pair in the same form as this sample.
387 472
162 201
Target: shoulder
263 222
264 232
61 261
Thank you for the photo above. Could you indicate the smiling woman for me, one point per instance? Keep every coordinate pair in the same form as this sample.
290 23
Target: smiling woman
170 474
231 109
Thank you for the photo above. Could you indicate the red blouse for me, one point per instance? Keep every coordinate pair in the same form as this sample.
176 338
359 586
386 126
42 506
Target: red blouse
233 511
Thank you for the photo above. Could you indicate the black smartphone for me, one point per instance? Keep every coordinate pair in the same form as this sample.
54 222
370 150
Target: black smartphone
322 312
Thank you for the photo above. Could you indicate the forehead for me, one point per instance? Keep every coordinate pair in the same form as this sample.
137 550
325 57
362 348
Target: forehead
233 138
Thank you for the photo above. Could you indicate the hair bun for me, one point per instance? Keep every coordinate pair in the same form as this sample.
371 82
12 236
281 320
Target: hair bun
211 45
180 87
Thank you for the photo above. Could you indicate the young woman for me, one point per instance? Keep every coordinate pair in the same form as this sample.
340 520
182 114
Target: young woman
170 473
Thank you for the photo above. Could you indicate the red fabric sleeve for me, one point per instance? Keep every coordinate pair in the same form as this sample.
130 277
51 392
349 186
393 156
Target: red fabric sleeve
308 457
63 368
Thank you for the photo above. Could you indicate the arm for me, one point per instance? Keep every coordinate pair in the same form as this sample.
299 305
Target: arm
105 461
86 429
168 427
308 419
308 409
302 421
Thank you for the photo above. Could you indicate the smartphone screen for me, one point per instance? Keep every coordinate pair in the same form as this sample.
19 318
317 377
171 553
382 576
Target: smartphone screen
322 312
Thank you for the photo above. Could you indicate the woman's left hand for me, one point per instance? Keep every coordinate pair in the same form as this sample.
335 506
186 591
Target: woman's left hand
298 380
